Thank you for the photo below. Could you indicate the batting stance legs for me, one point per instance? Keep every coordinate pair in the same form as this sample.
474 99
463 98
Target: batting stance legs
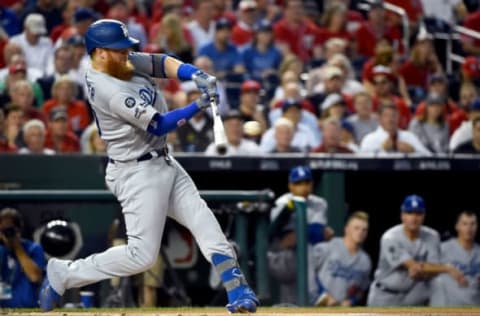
148 192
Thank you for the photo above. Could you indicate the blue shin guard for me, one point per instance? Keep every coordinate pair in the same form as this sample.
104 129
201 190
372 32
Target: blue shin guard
241 298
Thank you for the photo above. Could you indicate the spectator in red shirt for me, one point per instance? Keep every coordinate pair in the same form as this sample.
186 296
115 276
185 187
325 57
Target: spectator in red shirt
64 91
438 84
375 29
334 24
414 10
470 45
471 69
384 92
422 63
10 124
243 30
59 138
296 34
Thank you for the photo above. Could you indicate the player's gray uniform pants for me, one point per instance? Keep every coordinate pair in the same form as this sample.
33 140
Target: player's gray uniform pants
418 295
148 191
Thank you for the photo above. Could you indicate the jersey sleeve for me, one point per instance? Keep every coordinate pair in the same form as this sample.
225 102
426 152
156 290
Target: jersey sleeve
151 64
394 253
131 109
320 252
434 250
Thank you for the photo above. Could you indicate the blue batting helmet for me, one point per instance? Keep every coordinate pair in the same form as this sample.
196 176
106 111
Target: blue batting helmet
300 173
413 203
107 33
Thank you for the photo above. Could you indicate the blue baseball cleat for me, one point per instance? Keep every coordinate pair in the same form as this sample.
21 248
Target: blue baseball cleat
241 298
246 302
49 299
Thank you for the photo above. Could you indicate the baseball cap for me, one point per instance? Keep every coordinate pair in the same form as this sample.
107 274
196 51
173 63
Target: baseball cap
413 204
346 125
223 23
300 173
250 85
331 100
435 98
76 40
291 102
332 71
381 70
245 5
83 14
471 67
17 67
475 105
263 25
58 112
437 78
35 23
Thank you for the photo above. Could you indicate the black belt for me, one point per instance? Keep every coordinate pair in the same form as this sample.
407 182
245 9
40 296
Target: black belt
148 156
387 290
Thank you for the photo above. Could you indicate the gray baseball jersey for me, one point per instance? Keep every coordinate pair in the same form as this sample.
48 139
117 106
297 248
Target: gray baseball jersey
343 275
116 102
445 290
392 285
316 208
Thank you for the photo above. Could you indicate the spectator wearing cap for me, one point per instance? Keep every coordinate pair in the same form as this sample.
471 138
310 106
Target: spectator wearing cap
283 133
196 134
438 84
64 92
333 107
384 81
18 70
22 94
243 30
282 234
334 24
297 35
471 146
374 30
422 62
36 46
34 133
202 27
388 138
49 10
464 132
226 56
431 127
471 69
262 58
59 137
332 138
303 138
363 120
250 106
293 91
82 17
120 10
237 145
67 21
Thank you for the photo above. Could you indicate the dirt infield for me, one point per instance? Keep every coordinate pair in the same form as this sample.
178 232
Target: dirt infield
264 311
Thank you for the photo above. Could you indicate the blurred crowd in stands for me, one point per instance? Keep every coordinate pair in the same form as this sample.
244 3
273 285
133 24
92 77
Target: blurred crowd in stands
332 76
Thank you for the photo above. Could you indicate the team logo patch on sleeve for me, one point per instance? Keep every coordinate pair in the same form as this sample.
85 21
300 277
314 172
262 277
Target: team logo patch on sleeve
129 102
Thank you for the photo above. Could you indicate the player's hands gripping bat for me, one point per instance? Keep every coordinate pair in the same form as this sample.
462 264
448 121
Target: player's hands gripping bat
206 83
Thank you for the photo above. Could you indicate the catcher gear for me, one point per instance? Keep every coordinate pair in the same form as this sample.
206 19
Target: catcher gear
107 33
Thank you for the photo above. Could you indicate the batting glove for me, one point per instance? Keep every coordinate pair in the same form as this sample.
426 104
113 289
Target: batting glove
205 82
203 102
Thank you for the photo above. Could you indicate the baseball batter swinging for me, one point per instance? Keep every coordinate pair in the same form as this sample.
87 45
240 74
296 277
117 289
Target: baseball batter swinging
131 115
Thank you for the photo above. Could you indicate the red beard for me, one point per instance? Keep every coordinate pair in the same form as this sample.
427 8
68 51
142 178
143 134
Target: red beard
119 70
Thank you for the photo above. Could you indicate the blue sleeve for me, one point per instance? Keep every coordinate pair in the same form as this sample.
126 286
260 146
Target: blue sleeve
315 233
162 124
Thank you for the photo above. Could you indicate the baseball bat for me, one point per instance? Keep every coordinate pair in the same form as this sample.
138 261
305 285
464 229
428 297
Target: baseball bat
218 129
